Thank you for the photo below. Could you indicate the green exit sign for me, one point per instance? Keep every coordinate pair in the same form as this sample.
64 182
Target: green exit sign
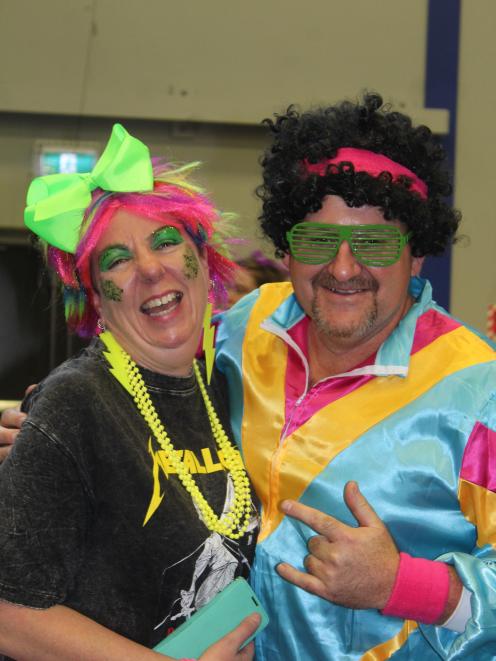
53 162
64 156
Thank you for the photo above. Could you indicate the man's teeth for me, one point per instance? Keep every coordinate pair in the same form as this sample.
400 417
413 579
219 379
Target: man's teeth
160 301
346 291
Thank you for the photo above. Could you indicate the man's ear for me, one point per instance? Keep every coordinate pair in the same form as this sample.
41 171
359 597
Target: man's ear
285 260
417 263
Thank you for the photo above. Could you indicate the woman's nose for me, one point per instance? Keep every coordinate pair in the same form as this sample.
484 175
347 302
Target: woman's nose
150 267
344 265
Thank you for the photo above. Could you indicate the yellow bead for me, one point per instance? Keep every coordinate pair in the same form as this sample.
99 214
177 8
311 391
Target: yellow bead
242 497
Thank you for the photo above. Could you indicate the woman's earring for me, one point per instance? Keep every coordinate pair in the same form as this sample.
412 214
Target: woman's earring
101 325
208 343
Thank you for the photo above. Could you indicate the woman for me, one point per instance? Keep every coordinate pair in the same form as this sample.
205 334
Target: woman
137 508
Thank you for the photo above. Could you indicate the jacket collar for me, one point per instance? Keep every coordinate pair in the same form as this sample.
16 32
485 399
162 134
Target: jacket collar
393 356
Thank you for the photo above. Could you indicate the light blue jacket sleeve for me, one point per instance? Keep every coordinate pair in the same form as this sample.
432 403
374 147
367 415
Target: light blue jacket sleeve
477 571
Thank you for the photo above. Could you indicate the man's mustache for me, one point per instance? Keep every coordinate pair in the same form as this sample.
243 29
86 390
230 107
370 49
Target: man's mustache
324 279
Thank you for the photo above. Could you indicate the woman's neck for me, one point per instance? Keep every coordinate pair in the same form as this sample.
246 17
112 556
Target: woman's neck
171 361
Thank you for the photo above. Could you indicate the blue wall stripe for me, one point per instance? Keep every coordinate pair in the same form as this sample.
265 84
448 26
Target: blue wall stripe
441 86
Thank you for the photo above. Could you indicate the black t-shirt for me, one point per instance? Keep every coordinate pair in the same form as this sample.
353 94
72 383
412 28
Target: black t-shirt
92 515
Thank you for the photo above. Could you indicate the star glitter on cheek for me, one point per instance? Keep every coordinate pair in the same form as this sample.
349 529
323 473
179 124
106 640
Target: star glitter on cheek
111 291
190 264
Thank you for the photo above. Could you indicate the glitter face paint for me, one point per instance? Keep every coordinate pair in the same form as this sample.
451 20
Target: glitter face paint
190 264
109 258
112 256
111 291
166 236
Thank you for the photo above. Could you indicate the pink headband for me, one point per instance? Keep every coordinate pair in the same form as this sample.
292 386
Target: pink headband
372 163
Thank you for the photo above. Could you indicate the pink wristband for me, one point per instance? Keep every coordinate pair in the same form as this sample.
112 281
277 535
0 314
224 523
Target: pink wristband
420 591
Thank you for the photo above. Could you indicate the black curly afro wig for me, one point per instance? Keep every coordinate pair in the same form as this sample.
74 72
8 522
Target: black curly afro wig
289 193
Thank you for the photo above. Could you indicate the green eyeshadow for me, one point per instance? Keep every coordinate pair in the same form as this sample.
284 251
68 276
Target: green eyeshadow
111 256
166 236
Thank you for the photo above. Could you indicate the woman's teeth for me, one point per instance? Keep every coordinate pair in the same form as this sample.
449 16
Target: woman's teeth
161 304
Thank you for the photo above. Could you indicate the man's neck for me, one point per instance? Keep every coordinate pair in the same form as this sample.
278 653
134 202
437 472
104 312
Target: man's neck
328 359
330 355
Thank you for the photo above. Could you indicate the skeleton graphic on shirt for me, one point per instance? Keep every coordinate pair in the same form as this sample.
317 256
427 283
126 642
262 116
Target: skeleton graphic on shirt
220 557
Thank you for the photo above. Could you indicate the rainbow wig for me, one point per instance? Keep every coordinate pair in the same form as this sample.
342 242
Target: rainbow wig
172 195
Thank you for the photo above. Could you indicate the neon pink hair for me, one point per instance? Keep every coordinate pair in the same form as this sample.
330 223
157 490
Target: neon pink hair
172 196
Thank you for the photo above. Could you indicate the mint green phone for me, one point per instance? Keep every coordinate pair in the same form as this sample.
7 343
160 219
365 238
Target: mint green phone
220 616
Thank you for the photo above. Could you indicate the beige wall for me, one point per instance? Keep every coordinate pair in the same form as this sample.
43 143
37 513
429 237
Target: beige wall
221 60
474 259
336 50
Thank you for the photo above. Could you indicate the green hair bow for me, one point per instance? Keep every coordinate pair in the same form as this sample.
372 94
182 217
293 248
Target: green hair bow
56 203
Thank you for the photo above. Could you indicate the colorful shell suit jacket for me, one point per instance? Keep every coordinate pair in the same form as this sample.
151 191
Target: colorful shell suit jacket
415 428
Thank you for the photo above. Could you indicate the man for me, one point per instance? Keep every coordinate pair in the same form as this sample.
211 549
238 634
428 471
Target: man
358 382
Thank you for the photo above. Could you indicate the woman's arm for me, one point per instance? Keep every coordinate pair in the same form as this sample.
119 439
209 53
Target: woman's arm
62 634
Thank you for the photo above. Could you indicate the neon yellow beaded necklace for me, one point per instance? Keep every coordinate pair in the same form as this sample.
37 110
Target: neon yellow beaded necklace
233 523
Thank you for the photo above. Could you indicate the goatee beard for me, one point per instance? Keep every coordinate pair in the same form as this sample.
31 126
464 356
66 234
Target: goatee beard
332 329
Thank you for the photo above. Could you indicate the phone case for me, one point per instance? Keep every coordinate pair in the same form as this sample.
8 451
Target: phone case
220 616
